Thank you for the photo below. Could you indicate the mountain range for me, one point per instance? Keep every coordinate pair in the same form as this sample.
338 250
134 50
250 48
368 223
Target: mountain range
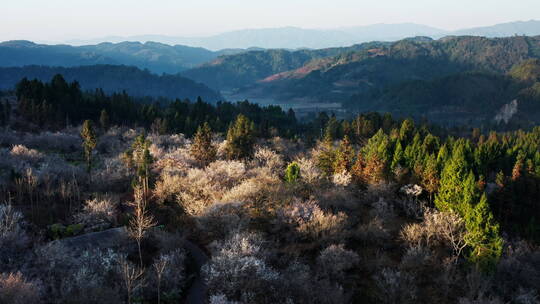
454 77
294 37
464 78
156 57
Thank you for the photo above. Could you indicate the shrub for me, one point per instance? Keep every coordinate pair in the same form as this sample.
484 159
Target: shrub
415 259
221 219
438 228
310 172
342 178
12 236
292 173
239 271
29 155
310 221
269 159
395 286
9 221
91 276
204 187
15 289
518 269
383 209
167 187
373 232
98 213
221 299
333 261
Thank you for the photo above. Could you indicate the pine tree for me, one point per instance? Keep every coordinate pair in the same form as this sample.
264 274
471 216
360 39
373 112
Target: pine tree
139 158
202 149
483 236
357 170
331 131
376 156
326 158
453 177
406 130
430 175
104 120
397 159
344 156
240 138
459 192
89 142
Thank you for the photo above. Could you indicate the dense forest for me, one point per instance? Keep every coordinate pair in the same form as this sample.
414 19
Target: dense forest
118 199
58 104
113 79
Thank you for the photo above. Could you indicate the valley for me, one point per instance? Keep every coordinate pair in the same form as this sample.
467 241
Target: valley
282 152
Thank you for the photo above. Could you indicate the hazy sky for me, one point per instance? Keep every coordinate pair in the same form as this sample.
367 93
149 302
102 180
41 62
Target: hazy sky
56 20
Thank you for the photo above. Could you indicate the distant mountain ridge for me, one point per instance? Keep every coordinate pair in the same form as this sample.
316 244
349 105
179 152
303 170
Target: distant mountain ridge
156 57
114 79
295 38
449 78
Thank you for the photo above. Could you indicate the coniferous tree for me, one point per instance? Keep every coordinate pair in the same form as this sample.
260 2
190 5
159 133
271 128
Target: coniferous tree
202 149
483 236
240 138
430 175
459 192
397 159
104 120
331 130
344 157
139 158
453 176
406 130
89 142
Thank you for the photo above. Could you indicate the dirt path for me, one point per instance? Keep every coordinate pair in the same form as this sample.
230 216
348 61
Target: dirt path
197 292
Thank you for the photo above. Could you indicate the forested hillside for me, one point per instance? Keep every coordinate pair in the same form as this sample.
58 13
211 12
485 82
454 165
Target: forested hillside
157 57
113 79
454 79
234 71
406 60
58 103
107 199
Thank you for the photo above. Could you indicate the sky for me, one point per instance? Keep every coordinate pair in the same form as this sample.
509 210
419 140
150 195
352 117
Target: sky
60 20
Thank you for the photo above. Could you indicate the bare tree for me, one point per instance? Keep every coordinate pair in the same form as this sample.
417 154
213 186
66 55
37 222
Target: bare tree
132 277
452 228
159 267
141 220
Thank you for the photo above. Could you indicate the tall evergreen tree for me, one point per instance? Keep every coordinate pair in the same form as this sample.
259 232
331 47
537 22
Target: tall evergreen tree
89 142
483 236
430 175
240 138
397 159
202 149
104 120
139 158
454 177
344 157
